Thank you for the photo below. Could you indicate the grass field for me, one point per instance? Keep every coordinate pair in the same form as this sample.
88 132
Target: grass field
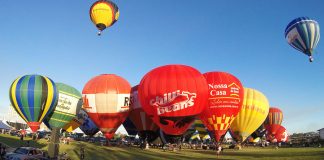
97 152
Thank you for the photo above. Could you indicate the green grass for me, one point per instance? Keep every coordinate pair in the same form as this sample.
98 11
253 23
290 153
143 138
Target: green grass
97 152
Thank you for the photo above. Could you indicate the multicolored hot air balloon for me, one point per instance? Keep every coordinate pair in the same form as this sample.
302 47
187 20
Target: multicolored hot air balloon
33 97
303 34
104 13
255 109
224 102
146 128
69 104
173 95
273 120
106 99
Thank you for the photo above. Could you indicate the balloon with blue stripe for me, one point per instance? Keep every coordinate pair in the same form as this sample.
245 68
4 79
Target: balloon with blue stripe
33 97
303 34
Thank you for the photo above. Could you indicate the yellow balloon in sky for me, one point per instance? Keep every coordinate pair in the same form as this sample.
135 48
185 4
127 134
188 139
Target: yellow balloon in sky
104 13
254 111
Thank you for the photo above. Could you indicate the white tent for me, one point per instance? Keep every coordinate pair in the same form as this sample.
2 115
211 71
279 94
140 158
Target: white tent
4 126
78 130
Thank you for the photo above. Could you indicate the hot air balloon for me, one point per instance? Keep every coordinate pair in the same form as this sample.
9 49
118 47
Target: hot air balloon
303 34
76 121
273 120
104 13
281 135
255 109
33 97
146 128
224 102
69 104
88 127
130 127
173 95
106 99
260 132
200 127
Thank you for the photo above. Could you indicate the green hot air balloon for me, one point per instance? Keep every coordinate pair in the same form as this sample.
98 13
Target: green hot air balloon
69 104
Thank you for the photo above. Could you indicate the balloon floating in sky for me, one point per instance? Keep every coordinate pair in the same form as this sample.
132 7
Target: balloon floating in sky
33 97
104 13
255 109
173 95
303 34
106 99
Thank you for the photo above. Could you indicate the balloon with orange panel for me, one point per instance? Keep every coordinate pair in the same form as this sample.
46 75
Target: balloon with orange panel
143 123
280 136
173 95
224 102
106 100
274 120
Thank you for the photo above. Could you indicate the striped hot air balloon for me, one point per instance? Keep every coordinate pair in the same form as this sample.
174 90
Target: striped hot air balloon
106 100
303 34
273 120
33 97
200 127
76 122
69 104
104 13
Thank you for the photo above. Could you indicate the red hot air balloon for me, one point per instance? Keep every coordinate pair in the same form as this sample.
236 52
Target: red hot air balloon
173 95
143 123
224 102
280 136
274 120
106 100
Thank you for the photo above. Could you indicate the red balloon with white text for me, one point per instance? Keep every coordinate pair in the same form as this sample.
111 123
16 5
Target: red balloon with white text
173 95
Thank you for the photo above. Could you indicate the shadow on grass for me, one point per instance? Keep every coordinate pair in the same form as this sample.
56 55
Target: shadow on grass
14 141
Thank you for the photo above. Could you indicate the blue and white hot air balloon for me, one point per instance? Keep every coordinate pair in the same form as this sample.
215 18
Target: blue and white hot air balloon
303 34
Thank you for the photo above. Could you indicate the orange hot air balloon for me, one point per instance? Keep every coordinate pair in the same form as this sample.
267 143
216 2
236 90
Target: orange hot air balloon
274 120
106 100
224 102
173 95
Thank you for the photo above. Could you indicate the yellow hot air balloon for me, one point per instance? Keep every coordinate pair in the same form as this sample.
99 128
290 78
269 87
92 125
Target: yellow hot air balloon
254 111
104 13
76 122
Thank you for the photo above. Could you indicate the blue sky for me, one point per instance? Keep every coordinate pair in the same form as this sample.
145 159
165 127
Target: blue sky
244 38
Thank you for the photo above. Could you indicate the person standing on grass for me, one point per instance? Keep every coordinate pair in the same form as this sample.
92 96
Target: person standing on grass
218 150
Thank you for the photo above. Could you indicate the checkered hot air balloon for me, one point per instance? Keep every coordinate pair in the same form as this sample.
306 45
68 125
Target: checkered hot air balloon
224 102
33 97
303 34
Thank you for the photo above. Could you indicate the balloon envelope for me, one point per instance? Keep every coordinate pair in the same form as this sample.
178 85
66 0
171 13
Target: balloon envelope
33 97
69 104
130 127
173 95
254 111
76 121
224 102
103 14
303 34
273 120
106 99
143 123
